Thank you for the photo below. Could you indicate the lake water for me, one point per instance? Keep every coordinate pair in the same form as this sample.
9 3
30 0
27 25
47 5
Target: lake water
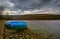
53 26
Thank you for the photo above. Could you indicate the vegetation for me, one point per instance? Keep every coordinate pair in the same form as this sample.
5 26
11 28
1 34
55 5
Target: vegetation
31 17
1 11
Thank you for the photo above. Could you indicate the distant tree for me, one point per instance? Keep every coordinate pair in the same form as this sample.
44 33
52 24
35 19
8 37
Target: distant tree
1 9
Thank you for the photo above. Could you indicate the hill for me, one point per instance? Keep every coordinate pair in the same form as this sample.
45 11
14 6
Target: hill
31 17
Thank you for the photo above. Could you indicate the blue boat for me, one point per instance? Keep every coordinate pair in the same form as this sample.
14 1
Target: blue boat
15 25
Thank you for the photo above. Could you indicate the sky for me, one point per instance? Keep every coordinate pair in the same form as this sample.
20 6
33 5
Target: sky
22 7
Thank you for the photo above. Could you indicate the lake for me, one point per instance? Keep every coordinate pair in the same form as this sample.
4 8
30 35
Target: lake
51 26
48 25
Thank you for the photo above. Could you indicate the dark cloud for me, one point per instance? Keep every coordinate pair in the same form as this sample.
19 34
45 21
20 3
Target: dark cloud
32 6
36 4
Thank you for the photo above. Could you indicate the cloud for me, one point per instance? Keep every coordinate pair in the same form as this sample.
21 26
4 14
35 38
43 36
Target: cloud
33 6
9 4
36 4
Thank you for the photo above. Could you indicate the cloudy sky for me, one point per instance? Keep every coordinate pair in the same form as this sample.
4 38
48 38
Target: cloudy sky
32 6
